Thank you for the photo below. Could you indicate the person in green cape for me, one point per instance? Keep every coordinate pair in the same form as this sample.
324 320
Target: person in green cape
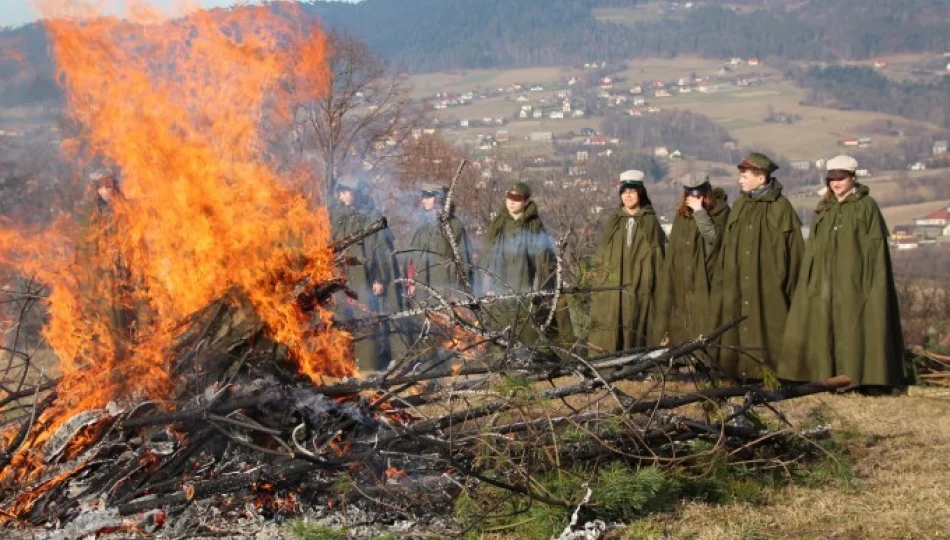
518 257
844 318
629 255
685 301
761 257
429 259
370 269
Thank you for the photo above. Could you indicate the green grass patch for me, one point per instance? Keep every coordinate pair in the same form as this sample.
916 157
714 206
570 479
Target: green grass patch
308 531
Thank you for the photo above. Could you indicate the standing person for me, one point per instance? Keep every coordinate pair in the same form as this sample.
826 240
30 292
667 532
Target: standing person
369 273
518 257
761 255
844 318
630 255
430 258
685 305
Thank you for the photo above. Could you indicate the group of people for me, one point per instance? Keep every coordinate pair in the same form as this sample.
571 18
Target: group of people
806 312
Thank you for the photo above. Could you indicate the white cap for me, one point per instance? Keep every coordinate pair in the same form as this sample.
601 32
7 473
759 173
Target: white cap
632 175
842 163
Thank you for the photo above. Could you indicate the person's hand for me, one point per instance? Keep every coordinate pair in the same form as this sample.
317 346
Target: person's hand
695 203
378 288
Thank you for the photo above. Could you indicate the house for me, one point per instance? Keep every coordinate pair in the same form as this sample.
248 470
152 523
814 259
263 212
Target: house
556 115
849 142
686 90
502 135
523 114
918 166
541 136
939 148
639 101
864 142
537 113
566 106
903 244
661 152
820 164
730 145
577 113
582 155
681 82
662 92
588 132
606 153
536 88
463 123
901 232
880 63
572 81
658 84
598 141
675 154
862 173
521 98
801 165
606 80
753 61
654 109
636 90
940 218
735 61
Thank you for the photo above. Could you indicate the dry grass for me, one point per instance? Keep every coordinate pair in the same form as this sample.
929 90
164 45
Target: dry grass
901 489
428 84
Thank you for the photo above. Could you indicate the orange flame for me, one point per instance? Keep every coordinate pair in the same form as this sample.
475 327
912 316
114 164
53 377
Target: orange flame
180 109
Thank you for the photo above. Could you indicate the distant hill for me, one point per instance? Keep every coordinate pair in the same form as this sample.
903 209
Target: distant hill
434 35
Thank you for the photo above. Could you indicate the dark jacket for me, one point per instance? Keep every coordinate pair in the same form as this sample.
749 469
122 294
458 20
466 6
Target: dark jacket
430 253
844 318
623 319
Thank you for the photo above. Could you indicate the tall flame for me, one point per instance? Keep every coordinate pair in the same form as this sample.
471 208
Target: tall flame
178 108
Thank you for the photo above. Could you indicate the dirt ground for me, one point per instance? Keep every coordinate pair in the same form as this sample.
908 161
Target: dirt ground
901 490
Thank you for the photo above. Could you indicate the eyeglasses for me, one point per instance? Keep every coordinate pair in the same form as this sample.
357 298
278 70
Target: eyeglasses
517 197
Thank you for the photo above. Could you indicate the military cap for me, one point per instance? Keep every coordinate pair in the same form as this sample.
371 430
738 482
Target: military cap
631 178
431 189
760 162
348 182
695 184
519 188
842 163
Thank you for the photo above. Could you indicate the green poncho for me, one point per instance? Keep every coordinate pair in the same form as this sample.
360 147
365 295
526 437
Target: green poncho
368 261
685 308
761 255
622 319
518 257
844 318
430 253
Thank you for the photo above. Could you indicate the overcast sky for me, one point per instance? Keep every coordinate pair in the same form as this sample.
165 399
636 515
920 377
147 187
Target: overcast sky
18 12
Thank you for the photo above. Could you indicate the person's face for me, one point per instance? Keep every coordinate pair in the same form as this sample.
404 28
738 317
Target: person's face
428 203
750 179
516 204
841 185
345 197
630 199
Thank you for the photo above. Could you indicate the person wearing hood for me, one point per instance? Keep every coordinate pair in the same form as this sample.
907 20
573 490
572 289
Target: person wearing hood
518 257
844 318
761 256
691 270
629 255
370 269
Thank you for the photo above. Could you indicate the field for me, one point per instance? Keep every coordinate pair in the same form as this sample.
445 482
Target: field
741 110
899 445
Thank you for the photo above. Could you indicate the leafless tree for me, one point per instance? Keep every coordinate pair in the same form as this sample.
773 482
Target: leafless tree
364 116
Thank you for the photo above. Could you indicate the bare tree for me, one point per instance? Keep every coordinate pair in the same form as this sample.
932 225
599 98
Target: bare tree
364 116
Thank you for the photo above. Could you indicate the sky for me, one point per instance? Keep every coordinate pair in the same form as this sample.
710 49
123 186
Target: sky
18 12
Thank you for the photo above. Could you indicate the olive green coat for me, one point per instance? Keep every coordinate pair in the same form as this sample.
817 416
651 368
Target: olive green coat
366 262
430 253
685 308
761 257
622 319
518 257
844 318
